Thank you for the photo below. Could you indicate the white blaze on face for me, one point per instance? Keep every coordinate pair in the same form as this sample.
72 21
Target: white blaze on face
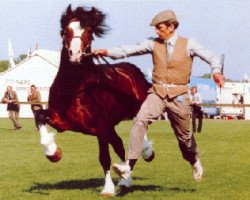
75 45
48 141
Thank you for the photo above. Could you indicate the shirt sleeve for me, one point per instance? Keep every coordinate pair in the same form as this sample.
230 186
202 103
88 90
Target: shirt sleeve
15 98
195 49
124 51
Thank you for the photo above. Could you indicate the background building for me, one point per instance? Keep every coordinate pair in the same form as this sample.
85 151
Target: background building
39 68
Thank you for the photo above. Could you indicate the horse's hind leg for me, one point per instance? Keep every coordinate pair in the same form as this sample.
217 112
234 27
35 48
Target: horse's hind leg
105 160
117 144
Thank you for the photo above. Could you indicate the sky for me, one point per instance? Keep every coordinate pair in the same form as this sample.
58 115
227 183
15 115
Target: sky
221 26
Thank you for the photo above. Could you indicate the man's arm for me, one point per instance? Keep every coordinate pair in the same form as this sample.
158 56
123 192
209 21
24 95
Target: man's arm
5 99
124 51
195 49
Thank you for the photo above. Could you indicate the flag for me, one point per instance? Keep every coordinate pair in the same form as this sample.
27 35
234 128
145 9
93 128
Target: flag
245 76
10 54
29 53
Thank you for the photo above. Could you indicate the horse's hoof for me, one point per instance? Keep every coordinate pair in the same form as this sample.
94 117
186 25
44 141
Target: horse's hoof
151 157
56 157
106 194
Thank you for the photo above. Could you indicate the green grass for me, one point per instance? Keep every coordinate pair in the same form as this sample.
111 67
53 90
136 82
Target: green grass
224 146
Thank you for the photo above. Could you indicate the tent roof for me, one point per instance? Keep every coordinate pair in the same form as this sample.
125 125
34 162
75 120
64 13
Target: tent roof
52 57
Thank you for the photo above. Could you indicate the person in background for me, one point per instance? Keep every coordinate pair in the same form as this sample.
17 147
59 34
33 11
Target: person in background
197 112
10 97
241 99
172 58
35 98
235 99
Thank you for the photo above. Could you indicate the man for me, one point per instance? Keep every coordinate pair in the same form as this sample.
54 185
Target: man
10 97
172 59
35 98
197 112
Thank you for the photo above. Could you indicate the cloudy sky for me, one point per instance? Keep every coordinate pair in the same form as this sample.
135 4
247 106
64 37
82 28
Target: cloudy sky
222 26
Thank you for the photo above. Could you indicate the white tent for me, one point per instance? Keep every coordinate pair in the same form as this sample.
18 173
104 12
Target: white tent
40 69
230 92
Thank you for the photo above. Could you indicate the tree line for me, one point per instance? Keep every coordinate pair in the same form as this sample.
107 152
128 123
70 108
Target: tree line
4 64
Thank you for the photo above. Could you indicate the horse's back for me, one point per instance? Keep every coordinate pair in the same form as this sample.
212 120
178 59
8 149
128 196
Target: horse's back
128 78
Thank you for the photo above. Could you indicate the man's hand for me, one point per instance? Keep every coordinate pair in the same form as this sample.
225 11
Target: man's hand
100 52
5 100
219 79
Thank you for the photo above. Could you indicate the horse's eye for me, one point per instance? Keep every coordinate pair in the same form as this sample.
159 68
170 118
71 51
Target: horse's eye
70 52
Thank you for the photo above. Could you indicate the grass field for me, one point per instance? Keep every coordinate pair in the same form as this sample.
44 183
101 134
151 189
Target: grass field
224 146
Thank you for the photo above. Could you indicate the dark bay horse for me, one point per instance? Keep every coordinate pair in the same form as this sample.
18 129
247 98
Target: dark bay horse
89 98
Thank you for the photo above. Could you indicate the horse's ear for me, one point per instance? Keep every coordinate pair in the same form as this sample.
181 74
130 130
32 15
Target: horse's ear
94 12
69 12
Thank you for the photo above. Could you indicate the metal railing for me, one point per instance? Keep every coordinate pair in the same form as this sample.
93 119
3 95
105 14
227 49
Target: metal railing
205 104
224 104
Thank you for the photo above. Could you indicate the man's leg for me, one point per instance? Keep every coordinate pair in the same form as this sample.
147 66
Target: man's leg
194 116
16 113
12 117
35 118
179 113
200 117
149 112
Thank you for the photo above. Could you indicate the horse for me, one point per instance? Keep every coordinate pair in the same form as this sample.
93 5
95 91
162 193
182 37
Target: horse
90 98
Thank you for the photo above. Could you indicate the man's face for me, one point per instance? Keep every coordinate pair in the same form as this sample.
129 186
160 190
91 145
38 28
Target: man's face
163 31
9 89
193 90
33 89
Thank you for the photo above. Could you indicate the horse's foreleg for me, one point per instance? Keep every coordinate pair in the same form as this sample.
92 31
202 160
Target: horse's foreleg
53 153
117 144
104 158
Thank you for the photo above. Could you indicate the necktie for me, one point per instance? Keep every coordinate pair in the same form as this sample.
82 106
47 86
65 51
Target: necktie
169 49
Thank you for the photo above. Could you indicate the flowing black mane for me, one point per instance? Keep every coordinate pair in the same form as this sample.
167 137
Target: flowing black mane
88 17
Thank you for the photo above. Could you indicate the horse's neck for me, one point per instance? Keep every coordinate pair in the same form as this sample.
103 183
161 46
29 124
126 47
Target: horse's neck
69 75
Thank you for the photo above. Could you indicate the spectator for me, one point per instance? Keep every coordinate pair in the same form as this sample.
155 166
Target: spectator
35 98
197 112
241 99
235 99
10 97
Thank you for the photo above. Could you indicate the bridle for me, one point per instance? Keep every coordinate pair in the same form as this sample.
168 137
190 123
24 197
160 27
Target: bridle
86 37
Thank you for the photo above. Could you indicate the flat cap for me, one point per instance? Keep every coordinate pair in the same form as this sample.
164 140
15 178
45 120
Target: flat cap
166 15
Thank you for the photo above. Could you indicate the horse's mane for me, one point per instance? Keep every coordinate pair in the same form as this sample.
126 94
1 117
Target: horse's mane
88 17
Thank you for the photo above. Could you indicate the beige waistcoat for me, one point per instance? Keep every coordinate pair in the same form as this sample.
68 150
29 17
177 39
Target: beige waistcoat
175 70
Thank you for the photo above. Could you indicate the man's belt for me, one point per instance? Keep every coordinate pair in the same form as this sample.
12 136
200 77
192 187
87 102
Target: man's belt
168 85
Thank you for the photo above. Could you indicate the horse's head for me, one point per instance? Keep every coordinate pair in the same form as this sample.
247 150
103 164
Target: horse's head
78 28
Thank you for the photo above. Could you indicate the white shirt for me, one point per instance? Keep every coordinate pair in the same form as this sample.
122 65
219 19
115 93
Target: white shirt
146 47
196 98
